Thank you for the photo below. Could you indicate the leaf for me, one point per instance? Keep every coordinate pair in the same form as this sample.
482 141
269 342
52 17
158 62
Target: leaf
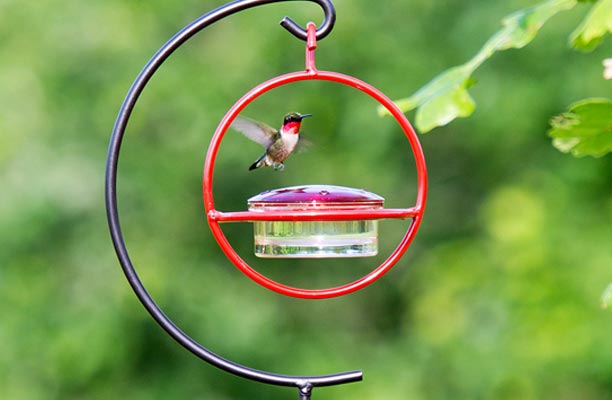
446 97
441 110
606 297
440 86
521 27
595 25
442 100
585 129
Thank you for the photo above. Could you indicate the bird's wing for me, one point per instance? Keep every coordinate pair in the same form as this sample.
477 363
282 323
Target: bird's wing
258 132
305 144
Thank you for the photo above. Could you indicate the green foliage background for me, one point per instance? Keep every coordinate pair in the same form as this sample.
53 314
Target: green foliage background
498 298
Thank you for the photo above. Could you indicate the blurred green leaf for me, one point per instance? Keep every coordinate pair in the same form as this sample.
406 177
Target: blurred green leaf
442 100
606 297
522 26
446 97
440 110
585 129
591 31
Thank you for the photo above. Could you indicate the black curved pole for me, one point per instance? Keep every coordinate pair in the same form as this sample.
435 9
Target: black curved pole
303 383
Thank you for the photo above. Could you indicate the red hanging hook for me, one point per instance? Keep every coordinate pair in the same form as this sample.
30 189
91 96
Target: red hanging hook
311 45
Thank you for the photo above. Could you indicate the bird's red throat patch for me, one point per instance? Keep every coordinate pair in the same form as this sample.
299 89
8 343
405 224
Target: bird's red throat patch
292 127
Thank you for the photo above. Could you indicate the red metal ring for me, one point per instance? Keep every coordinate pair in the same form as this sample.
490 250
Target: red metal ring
415 212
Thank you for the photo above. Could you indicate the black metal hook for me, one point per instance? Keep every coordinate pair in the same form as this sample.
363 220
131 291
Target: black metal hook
303 383
322 31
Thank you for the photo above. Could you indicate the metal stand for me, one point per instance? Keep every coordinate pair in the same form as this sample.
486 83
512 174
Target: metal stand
305 384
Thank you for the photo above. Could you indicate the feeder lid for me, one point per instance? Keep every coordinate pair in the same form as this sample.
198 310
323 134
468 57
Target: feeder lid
316 196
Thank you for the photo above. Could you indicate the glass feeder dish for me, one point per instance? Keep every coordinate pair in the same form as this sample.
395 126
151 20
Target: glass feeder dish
315 239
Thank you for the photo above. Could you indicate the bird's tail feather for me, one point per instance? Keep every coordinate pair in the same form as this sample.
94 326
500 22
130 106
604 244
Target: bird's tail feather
259 163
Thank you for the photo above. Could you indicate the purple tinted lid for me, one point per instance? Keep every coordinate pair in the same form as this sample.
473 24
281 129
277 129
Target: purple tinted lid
316 194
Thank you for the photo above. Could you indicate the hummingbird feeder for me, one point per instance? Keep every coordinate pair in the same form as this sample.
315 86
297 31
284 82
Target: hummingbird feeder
279 231
309 221
315 239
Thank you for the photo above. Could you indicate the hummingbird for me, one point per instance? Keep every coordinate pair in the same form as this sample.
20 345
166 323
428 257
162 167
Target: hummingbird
279 144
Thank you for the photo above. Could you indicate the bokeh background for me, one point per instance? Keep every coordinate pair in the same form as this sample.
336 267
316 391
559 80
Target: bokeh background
498 298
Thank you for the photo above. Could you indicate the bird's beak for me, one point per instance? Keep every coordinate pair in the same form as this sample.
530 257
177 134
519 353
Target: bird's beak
305 115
